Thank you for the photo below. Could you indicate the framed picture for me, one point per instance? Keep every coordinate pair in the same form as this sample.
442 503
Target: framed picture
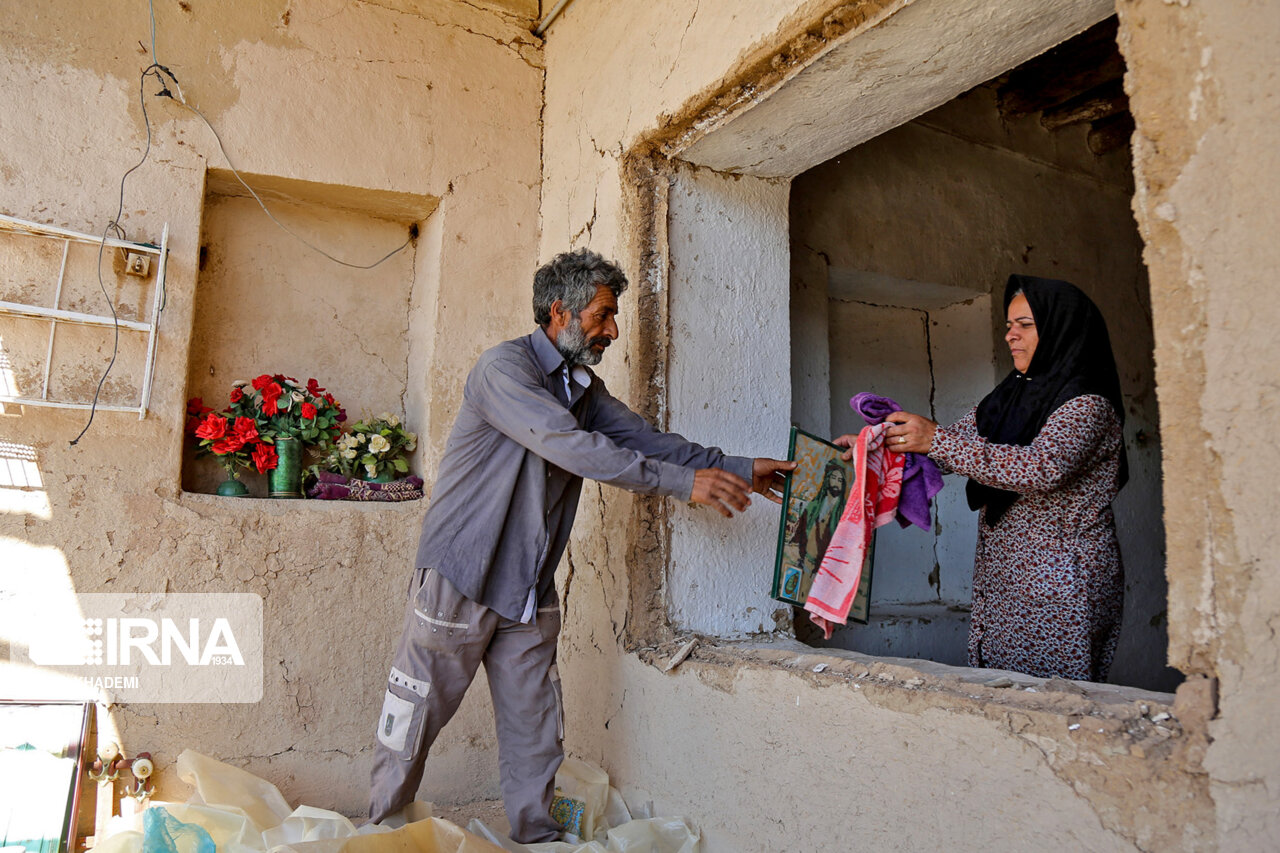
812 501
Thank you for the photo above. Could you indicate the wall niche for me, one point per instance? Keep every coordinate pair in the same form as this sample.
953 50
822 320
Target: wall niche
267 303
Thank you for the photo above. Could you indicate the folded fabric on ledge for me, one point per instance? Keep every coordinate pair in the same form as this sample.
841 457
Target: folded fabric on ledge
336 487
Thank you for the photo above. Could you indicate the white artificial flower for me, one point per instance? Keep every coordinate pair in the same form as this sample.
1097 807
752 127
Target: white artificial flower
378 444
349 454
298 397
410 442
371 469
361 437
240 383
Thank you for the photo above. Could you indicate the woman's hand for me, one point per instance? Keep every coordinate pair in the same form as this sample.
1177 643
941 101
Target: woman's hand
908 433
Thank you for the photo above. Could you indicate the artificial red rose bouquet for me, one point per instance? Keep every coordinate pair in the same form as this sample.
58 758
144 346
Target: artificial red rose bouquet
260 413
232 439
283 408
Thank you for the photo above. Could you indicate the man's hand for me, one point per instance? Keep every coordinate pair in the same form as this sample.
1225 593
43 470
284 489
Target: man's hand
720 490
769 477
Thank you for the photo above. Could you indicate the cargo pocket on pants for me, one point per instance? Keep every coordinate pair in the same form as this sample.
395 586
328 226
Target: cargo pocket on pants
403 720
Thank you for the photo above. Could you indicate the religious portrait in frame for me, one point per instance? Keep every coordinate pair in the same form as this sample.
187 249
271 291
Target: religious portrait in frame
814 498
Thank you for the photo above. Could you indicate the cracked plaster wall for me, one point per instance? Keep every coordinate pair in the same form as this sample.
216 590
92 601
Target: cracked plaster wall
729 360
431 99
680 737
897 769
1203 87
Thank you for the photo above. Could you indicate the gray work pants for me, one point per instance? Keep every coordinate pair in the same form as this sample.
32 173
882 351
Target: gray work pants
445 638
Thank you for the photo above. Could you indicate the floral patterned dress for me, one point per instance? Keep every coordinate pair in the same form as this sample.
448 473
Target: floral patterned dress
1048 584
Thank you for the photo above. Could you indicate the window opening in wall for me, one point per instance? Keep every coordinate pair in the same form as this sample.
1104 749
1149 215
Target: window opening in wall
48 338
900 249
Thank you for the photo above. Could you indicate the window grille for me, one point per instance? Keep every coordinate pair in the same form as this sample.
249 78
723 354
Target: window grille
56 315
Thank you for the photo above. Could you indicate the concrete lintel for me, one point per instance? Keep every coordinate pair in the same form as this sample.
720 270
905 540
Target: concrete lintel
917 58
384 204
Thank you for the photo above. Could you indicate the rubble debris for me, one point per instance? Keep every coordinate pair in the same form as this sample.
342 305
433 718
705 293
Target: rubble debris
679 657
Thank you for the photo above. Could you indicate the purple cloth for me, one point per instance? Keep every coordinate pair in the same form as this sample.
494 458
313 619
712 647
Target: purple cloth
336 487
921 479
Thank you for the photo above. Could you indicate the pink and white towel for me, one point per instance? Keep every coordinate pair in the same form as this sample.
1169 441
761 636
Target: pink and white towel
873 503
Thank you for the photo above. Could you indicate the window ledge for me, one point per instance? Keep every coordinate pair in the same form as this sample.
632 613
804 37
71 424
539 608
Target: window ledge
1139 716
279 506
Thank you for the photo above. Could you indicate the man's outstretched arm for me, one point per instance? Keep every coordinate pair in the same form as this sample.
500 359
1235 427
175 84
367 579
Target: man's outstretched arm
724 491
764 476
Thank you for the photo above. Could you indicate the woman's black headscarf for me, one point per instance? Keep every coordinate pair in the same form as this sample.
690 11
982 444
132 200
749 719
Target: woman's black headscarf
1072 358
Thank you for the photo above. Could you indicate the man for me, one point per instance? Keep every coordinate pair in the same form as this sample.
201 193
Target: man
534 422
818 519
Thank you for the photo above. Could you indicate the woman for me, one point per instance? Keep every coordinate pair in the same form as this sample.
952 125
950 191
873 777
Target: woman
1044 454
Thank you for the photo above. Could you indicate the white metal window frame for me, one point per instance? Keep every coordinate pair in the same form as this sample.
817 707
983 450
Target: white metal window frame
55 315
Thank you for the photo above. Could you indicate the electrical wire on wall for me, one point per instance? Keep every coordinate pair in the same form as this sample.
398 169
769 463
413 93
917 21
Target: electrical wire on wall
164 76
115 226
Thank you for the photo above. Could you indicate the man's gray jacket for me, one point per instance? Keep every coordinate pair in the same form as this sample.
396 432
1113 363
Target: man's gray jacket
524 439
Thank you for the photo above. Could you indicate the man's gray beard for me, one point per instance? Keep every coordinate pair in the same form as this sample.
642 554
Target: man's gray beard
573 345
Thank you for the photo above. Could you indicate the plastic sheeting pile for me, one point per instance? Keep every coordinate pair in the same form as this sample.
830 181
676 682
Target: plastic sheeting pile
233 811
590 808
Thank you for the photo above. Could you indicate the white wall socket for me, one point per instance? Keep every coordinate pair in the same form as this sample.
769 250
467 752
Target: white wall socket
136 263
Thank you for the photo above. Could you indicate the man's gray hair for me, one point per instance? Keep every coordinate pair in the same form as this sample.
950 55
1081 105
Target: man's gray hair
573 278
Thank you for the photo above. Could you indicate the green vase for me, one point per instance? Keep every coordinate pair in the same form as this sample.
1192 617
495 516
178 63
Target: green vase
232 488
386 476
285 480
